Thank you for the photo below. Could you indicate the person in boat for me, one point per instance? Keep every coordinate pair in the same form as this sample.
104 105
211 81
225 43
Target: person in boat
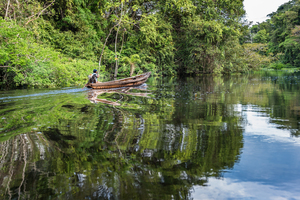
93 77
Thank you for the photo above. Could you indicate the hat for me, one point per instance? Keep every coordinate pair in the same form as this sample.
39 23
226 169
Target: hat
94 71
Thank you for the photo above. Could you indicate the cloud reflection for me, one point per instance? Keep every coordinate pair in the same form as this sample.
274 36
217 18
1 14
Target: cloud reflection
259 125
228 188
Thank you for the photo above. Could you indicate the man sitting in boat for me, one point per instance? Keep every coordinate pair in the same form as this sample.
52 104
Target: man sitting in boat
93 77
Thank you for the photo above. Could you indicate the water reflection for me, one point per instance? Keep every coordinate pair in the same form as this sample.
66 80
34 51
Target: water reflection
94 94
120 163
186 134
235 189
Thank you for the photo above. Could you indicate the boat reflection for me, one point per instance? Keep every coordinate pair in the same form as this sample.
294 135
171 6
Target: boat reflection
93 95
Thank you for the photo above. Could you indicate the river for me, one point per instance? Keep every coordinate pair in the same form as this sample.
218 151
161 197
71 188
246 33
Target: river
207 137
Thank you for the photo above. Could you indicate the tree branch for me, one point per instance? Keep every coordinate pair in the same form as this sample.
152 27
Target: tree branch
7 9
122 41
39 13
105 44
108 37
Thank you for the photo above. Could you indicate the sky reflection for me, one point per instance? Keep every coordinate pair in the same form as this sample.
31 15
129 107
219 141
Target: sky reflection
228 188
259 125
269 165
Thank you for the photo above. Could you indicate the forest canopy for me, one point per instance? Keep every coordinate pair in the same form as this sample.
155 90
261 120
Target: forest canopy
281 35
58 42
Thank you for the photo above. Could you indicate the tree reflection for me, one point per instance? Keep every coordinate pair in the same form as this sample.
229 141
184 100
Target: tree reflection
146 148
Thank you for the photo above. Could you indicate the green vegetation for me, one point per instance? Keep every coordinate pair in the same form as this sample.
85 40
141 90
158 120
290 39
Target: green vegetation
35 65
280 34
59 42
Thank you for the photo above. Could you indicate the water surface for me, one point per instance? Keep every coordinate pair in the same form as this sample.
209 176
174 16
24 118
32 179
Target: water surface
208 137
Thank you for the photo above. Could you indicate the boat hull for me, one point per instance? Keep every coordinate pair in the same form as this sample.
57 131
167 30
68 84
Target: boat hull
126 82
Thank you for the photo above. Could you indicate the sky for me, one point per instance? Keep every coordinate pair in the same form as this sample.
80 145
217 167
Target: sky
257 10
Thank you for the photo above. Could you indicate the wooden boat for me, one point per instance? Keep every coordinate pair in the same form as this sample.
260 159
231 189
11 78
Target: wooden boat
126 82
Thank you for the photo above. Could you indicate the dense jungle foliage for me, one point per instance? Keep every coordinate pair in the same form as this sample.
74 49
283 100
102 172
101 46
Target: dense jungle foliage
279 36
59 42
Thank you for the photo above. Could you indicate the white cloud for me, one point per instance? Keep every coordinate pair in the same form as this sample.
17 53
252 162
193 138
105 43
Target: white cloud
260 126
257 10
227 188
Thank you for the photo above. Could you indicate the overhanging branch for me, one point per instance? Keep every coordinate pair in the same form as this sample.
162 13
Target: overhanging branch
39 13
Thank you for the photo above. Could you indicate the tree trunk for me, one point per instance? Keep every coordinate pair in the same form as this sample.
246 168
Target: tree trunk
121 46
116 56
7 9
105 45
132 67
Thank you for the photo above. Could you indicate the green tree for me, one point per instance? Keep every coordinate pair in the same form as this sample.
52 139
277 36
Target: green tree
261 37
132 61
282 30
169 36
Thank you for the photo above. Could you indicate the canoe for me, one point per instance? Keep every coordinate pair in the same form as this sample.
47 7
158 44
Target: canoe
126 82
